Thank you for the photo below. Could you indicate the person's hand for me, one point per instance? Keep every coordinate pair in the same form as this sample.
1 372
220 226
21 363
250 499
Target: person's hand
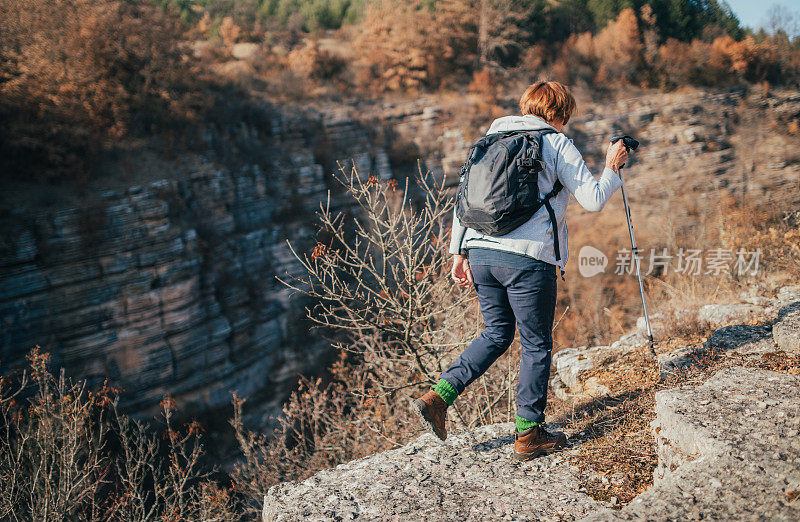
460 272
616 156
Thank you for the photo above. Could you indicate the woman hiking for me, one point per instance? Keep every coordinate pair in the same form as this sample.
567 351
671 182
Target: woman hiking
514 274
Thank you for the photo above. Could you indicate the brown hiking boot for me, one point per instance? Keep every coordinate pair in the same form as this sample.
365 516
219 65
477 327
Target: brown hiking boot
432 409
537 441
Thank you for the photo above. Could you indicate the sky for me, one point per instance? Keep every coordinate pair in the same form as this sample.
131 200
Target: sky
752 13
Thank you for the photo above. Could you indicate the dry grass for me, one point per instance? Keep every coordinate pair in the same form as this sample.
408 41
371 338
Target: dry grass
617 455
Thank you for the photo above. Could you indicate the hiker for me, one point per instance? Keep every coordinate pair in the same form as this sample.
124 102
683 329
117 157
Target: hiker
514 273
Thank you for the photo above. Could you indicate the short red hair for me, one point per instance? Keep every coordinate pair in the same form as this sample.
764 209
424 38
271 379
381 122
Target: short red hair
550 101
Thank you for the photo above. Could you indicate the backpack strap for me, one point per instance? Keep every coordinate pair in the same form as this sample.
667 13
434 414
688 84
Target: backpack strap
557 186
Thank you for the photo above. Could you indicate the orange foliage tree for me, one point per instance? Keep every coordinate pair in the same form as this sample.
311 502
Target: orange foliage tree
618 48
76 74
399 49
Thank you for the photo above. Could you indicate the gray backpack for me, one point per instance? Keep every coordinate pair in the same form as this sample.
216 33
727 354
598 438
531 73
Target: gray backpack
499 189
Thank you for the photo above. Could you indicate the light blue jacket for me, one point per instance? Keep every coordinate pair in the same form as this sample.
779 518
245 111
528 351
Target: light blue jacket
534 238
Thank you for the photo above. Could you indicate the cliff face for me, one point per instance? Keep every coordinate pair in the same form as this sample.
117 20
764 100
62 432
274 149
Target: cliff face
162 288
169 286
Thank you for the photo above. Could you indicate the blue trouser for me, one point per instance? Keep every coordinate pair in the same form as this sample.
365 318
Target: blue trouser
508 296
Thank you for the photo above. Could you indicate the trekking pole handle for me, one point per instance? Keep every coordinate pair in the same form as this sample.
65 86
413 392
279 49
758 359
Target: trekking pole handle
628 142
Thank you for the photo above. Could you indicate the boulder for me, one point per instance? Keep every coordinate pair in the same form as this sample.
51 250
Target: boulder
244 50
571 363
717 315
786 329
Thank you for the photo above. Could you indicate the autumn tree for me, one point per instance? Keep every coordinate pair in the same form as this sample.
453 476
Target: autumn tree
75 75
618 48
404 46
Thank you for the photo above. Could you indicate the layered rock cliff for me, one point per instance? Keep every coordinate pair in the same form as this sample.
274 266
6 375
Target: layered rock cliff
170 286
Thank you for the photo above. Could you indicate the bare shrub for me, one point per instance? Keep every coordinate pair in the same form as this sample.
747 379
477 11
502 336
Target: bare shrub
52 452
382 287
66 453
387 286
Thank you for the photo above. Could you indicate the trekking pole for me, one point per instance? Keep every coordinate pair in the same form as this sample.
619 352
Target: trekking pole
631 144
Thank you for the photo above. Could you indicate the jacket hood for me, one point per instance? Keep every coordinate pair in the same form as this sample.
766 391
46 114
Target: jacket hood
513 123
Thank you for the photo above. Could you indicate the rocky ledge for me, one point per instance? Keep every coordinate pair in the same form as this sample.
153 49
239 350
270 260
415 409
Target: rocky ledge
727 450
471 476
755 326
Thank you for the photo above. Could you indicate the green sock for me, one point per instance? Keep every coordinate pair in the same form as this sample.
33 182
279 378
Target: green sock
524 424
446 391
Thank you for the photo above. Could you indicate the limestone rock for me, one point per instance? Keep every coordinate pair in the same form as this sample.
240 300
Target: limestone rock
728 450
764 302
717 315
630 340
570 365
244 50
467 477
786 329
789 294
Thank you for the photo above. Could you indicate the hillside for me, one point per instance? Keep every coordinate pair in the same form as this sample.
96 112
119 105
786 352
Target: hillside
721 440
